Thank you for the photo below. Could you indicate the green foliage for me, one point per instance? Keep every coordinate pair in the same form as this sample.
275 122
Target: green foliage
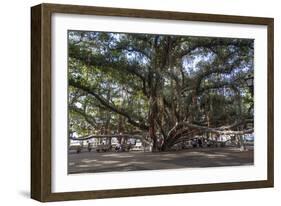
118 81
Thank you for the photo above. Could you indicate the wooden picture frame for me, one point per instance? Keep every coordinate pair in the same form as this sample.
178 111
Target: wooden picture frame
41 116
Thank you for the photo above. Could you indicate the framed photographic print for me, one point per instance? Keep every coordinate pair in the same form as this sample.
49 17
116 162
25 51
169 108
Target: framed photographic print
130 102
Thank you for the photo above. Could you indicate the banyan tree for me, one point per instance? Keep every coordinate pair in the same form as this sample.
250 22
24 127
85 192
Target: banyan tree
168 87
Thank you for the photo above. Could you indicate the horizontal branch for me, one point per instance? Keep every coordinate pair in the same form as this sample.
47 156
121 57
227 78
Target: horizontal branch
189 137
90 119
227 129
222 130
108 105
88 137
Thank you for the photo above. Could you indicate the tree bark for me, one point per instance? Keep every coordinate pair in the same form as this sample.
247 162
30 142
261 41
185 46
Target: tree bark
152 123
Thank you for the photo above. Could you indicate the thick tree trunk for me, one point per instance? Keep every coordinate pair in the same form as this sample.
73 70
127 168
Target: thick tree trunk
152 134
152 123
164 146
120 128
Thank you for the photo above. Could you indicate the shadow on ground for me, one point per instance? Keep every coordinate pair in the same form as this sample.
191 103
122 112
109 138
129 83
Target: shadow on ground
92 162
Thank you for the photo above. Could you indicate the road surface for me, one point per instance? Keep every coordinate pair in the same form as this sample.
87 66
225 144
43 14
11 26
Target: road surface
91 162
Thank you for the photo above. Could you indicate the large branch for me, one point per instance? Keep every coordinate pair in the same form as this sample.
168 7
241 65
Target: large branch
223 129
108 105
88 137
189 137
182 127
188 133
90 119
106 61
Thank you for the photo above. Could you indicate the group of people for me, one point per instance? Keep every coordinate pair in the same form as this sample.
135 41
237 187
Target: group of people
197 143
122 148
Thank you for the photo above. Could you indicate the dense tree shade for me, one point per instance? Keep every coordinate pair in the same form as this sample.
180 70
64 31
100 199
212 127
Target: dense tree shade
166 87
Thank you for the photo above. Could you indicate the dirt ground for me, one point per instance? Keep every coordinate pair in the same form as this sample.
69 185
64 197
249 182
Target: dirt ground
92 162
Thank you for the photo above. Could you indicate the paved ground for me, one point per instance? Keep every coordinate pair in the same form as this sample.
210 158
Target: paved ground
89 162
